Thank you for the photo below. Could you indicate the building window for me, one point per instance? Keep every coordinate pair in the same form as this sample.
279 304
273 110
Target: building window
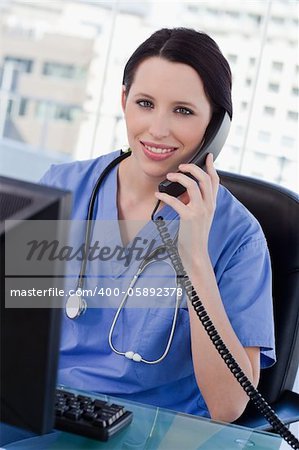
70 71
295 91
232 58
255 18
264 136
23 106
9 110
244 106
47 110
277 66
192 8
248 81
213 12
233 14
67 113
292 115
21 64
252 61
260 157
287 141
269 111
277 20
273 87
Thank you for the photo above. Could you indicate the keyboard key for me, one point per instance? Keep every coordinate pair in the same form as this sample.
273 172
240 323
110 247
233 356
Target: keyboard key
89 417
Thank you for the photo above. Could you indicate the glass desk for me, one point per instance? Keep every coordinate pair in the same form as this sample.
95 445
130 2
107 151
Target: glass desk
157 429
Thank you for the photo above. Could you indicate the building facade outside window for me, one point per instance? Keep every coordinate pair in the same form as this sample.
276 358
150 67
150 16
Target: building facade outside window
61 71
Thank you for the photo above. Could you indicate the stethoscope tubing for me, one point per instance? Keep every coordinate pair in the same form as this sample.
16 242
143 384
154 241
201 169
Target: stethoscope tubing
90 210
131 354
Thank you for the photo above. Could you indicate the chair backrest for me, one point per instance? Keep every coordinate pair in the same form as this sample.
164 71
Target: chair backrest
277 210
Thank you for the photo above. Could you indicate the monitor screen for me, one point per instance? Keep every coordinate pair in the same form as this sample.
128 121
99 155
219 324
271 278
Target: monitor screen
29 335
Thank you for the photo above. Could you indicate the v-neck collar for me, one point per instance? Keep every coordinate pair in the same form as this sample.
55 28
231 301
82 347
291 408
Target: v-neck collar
107 210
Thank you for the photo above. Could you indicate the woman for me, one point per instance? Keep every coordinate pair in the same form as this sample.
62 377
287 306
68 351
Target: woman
173 84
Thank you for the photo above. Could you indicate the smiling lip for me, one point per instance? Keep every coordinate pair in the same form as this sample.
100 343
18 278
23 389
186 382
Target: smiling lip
157 152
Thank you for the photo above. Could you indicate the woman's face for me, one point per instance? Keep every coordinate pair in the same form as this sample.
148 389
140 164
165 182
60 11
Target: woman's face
166 113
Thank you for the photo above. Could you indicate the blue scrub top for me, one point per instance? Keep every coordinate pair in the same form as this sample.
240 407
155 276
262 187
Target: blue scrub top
241 263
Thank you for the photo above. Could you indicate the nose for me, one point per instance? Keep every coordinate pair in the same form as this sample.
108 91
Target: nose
159 126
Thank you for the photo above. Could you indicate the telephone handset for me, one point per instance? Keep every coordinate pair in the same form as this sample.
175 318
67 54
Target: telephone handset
214 139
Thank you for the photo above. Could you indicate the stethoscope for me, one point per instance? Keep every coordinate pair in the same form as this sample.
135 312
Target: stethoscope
76 306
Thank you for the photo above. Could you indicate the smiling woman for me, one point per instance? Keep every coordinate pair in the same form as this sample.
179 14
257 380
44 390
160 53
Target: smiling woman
173 86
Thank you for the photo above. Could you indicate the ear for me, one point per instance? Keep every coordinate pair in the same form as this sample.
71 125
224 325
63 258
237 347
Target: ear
123 97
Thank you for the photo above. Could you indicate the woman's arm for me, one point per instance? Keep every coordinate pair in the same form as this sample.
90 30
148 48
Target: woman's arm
224 396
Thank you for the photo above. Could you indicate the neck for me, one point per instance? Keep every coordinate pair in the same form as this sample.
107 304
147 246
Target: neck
137 188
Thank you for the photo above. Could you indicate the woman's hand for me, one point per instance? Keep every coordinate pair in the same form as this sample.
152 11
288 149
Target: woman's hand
195 207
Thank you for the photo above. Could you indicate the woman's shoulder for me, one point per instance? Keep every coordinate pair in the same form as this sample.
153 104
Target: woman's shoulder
72 174
234 222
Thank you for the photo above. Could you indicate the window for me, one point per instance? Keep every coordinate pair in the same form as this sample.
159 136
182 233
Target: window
9 109
47 110
21 64
277 20
255 18
232 58
252 61
23 107
260 157
264 136
63 70
44 110
67 113
213 12
248 81
287 141
295 91
273 87
277 66
244 106
292 115
269 110
233 14
192 8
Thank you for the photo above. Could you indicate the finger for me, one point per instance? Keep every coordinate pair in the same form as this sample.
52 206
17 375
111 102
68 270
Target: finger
205 184
190 184
212 173
175 203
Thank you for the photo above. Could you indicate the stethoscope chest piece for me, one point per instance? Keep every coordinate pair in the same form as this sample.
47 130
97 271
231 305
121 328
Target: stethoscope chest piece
75 306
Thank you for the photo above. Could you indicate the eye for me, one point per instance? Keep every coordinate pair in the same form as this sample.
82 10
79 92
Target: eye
145 103
184 111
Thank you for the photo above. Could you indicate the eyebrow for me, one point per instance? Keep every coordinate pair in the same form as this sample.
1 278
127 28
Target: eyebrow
176 102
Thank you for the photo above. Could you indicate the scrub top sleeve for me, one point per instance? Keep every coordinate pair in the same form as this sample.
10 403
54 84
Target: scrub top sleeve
246 291
47 178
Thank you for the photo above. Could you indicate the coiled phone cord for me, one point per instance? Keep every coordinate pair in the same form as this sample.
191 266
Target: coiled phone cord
258 400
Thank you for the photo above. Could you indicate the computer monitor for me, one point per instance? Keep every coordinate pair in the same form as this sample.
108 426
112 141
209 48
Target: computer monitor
29 335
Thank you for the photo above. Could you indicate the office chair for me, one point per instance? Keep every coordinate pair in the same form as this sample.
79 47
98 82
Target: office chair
277 210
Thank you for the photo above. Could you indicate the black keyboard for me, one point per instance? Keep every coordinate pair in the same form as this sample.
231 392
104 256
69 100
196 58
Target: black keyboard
90 417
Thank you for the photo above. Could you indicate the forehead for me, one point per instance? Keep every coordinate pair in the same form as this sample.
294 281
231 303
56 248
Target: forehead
157 74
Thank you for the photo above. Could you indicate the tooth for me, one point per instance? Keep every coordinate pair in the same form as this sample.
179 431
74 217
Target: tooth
158 150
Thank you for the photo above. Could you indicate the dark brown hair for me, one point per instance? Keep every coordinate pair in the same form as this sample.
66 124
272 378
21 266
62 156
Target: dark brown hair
196 49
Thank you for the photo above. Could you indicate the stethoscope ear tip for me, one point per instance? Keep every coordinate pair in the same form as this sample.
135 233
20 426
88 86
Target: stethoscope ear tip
75 306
